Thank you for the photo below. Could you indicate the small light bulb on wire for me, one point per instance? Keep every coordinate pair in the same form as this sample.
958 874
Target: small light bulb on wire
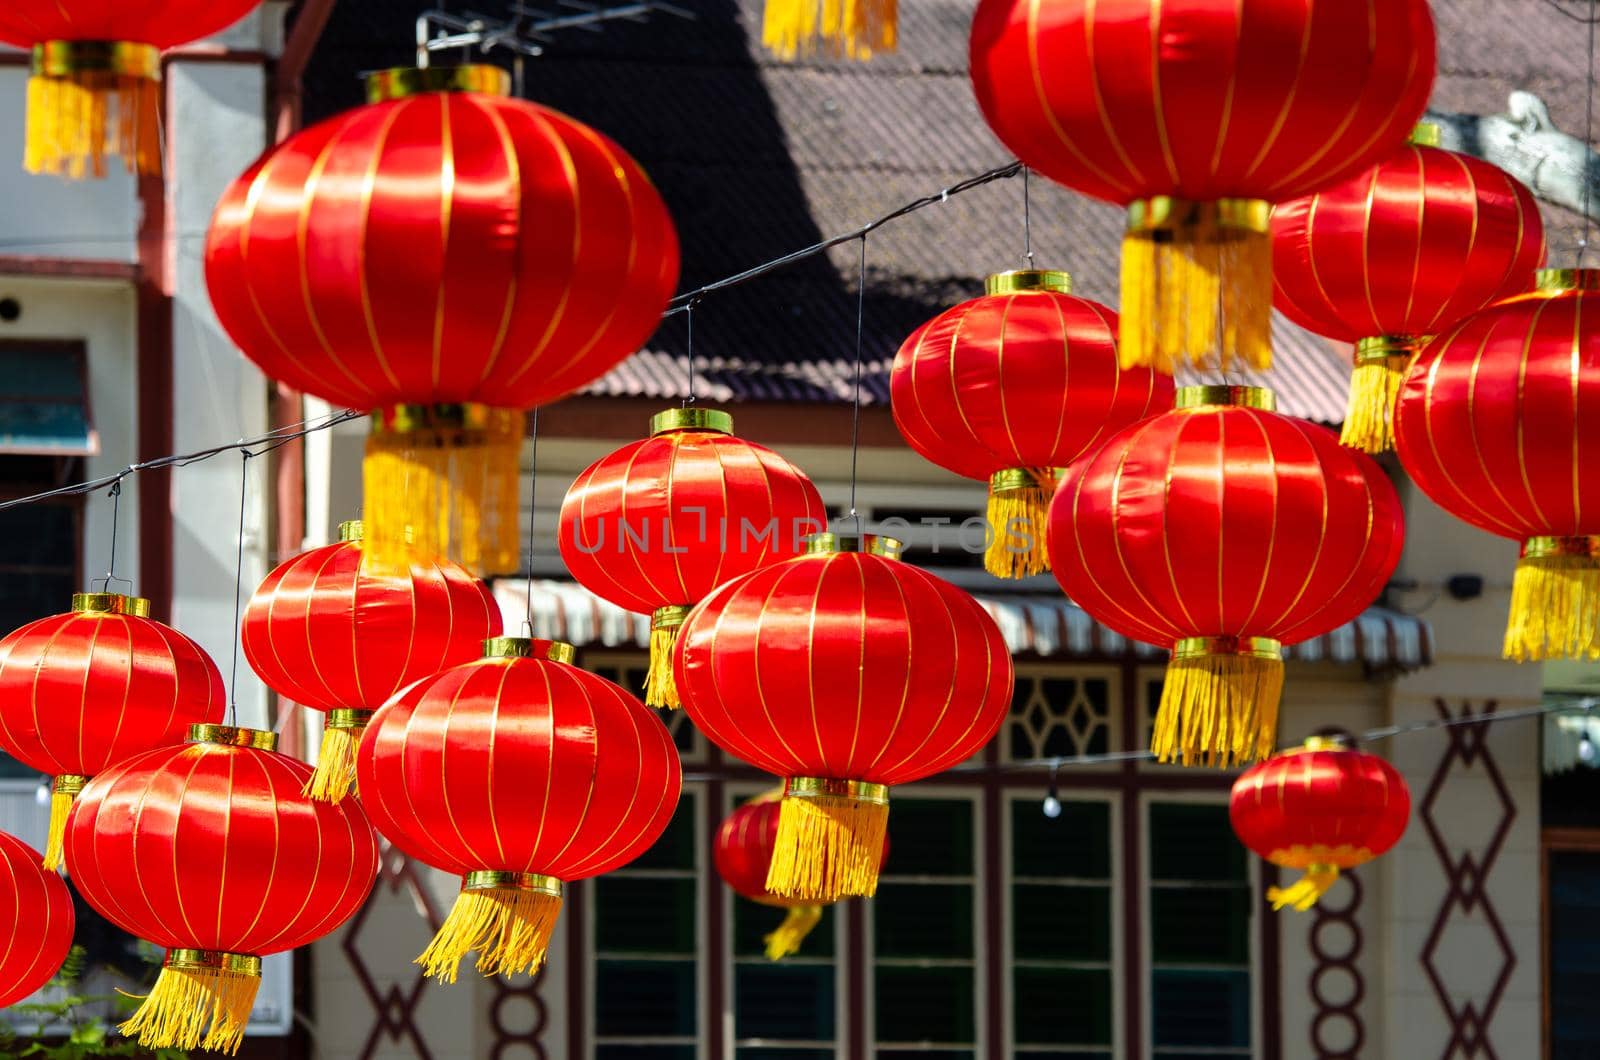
1052 799
1586 749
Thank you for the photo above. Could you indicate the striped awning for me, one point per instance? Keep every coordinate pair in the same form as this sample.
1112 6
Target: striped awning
1032 623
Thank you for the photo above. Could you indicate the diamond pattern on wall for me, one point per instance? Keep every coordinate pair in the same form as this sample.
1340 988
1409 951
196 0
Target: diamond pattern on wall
1465 875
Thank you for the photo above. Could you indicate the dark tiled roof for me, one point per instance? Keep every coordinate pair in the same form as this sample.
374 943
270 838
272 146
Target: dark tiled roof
757 158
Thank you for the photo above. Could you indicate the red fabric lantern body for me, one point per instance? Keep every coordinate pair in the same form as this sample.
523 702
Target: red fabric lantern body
1397 254
1499 422
742 853
210 851
658 524
519 773
36 921
1196 114
1010 388
1223 531
87 689
845 673
449 259
95 88
1319 808
327 632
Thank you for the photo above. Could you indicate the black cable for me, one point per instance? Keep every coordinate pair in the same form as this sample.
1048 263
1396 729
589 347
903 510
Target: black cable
533 507
855 412
238 588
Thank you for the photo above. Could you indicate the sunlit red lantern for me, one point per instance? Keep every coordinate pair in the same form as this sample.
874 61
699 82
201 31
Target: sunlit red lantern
95 88
1010 388
656 525
1224 531
844 671
87 689
447 257
519 773
1319 809
330 632
743 853
1397 254
1196 115
36 921
1499 422
209 850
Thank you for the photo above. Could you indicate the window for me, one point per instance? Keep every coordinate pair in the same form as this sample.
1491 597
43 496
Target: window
1061 966
1200 899
44 406
646 943
1059 713
924 938
788 1010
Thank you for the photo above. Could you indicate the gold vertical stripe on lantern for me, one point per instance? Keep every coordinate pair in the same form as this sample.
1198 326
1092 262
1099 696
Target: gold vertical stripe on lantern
91 99
1196 284
441 480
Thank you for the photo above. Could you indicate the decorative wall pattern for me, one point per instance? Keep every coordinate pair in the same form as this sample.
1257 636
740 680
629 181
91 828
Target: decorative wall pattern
394 1008
1337 987
1466 874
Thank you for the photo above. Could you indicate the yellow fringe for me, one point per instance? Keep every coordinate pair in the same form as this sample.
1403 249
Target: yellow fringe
195 1008
1555 609
1197 294
440 492
1012 555
660 690
1369 414
788 936
1221 710
75 122
1304 892
858 29
510 928
827 847
60 806
335 774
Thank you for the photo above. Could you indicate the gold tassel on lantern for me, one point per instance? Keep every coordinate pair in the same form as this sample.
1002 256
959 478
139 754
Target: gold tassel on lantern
660 690
202 1000
1219 703
63 790
1304 892
441 480
1019 509
786 939
857 29
1196 284
830 839
1555 600
1381 365
335 774
90 99
507 917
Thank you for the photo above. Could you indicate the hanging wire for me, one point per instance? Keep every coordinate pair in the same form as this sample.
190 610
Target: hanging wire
238 588
533 509
855 412
1561 9
115 493
1027 220
688 342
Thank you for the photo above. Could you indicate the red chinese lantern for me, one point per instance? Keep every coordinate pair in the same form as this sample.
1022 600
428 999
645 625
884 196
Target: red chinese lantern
1320 808
743 854
87 689
36 921
448 257
1196 115
1397 254
1491 425
209 850
518 773
1012 387
844 671
658 524
327 631
1223 531
95 88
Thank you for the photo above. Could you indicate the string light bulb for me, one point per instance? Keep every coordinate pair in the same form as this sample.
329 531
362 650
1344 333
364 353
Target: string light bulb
1052 798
